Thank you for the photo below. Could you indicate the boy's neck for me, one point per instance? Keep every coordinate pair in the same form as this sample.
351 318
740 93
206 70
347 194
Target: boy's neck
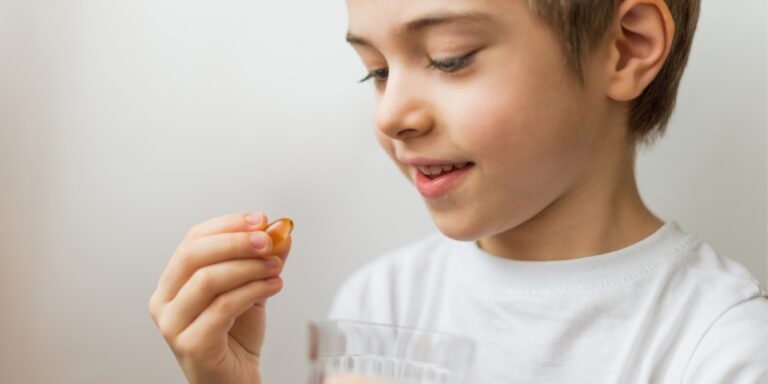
601 215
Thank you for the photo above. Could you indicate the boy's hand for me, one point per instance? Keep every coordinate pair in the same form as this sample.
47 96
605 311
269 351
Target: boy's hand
209 303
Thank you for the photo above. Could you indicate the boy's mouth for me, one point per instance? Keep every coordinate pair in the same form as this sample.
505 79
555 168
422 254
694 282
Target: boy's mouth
435 171
434 181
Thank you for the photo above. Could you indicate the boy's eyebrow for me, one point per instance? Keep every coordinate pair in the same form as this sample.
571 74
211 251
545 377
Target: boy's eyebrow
427 21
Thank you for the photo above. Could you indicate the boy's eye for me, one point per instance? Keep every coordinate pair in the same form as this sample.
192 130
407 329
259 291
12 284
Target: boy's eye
452 64
379 74
446 65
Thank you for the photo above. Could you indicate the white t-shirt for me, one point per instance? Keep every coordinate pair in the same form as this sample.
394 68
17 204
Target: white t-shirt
667 309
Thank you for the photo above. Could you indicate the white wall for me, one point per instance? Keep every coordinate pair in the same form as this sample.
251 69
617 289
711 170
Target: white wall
122 123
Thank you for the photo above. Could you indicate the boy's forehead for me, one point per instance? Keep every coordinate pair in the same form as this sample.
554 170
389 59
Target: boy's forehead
399 18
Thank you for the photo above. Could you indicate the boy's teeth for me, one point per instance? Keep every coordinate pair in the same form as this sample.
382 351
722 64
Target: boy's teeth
435 170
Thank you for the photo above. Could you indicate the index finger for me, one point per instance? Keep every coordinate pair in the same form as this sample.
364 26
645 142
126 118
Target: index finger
235 222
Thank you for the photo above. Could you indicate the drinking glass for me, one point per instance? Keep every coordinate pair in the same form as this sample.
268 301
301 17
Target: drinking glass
387 353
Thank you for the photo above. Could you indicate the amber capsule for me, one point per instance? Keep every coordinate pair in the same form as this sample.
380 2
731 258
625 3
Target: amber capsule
279 230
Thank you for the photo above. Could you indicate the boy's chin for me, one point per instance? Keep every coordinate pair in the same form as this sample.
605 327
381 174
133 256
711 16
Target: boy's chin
457 229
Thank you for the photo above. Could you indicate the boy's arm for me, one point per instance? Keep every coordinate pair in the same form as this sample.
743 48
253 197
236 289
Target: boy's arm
734 349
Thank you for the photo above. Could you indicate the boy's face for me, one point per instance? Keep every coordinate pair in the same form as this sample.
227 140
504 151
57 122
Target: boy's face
513 108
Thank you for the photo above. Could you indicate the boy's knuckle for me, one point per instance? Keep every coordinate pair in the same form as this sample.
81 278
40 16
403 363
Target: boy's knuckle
185 346
224 306
186 254
154 307
166 330
205 280
193 232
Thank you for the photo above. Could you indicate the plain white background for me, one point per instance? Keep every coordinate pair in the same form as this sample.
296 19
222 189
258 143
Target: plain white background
123 123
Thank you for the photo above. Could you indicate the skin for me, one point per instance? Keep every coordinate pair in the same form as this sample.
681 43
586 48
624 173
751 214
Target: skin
554 171
210 302
553 175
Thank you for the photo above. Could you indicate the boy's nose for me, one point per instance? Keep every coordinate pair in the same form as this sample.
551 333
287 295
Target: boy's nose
402 111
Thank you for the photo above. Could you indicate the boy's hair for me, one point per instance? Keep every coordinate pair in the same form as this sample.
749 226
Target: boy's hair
582 25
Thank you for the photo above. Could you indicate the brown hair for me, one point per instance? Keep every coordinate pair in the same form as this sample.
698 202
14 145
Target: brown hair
582 25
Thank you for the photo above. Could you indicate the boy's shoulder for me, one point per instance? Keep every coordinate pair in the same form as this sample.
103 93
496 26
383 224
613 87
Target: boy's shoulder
716 274
735 336
704 257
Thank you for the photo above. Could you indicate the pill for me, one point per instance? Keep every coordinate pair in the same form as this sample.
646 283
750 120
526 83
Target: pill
279 230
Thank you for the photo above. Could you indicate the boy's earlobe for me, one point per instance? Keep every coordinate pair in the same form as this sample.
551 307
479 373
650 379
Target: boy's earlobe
641 39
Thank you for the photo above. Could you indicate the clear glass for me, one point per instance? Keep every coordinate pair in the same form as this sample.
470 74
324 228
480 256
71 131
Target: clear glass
387 353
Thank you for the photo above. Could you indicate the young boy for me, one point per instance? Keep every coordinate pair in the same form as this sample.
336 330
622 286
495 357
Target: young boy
518 122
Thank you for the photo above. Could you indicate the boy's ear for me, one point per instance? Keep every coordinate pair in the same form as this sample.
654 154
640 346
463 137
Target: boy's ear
639 45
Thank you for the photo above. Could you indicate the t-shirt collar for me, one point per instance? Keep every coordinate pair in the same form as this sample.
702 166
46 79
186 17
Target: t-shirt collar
620 264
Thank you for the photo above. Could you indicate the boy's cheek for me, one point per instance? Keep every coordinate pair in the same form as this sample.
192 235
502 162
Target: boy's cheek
386 143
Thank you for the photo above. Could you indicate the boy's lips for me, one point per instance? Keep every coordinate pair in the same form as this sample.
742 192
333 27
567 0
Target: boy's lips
424 161
434 177
435 186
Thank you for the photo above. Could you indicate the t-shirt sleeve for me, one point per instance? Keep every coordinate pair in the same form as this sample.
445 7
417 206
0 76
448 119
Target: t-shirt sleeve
735 348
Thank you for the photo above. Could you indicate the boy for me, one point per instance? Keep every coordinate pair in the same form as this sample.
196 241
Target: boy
518 122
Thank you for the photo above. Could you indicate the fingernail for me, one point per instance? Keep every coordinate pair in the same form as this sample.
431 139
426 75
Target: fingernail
254 218
272 262
258 240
